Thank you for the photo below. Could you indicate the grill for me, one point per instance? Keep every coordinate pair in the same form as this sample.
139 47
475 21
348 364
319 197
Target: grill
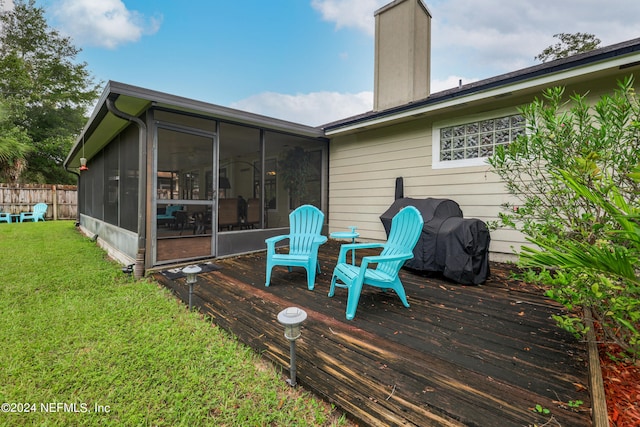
449 244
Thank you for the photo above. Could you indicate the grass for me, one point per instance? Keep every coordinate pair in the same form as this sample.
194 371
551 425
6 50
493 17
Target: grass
84 344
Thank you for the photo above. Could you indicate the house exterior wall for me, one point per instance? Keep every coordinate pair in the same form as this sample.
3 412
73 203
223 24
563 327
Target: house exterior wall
364 168
119 243
365 164
111 211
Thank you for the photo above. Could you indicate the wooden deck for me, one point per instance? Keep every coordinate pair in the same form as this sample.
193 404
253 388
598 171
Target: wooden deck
459 356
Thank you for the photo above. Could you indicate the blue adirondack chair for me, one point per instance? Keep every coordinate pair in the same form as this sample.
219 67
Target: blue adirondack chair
406 227
5 217
305 225
38 213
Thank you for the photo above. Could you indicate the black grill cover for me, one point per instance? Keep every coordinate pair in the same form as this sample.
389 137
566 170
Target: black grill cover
456 246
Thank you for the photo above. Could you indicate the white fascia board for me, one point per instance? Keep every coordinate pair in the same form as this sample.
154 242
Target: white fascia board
216 111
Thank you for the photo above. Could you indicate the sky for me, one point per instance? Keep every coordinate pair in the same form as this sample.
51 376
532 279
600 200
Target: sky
311 61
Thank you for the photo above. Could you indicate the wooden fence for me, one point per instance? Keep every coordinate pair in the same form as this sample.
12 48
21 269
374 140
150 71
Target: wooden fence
62 200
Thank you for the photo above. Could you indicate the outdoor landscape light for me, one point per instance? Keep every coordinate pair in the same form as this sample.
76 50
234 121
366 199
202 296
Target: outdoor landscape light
128 270
192 277
292 318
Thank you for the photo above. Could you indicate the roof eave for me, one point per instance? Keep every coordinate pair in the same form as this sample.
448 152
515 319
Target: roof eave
216 111
147 97
545 74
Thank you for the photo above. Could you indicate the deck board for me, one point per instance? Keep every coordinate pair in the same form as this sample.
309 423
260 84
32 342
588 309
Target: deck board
459 356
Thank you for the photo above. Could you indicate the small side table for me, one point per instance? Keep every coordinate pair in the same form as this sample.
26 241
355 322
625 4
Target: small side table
15 217
353 234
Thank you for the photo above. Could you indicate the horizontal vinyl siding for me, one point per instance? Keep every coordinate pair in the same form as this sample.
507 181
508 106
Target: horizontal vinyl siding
364 166
362 173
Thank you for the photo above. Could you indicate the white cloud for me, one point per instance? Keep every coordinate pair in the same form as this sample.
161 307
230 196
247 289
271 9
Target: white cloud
470 41
314 109
356 14
318 108
6 5
500 37
104 23
494 36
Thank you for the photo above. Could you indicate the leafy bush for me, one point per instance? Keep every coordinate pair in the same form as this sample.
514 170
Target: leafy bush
575 173
603 276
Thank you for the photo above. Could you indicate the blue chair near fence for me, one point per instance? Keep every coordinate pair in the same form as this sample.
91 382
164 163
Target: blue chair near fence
406 227
5 217
305 226
39 210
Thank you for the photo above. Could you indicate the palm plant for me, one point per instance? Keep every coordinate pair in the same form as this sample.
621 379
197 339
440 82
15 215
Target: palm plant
604 276
14 147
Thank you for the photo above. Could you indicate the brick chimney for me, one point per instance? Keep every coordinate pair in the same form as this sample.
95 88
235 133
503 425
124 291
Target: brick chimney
402 54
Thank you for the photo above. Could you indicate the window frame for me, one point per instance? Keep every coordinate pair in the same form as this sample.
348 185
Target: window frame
436 163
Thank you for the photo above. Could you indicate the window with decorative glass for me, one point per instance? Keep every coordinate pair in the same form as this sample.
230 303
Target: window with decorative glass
468 144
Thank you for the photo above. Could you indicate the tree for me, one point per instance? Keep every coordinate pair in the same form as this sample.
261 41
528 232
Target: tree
576 178
596 142
294 171
14 147
46 92
570 44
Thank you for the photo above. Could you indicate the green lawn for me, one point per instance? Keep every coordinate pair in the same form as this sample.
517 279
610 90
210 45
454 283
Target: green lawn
83 344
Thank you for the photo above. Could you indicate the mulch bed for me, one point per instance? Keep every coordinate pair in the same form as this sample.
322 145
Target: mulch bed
621 385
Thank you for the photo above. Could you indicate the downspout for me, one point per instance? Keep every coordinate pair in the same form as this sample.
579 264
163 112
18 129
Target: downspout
138 270
77 198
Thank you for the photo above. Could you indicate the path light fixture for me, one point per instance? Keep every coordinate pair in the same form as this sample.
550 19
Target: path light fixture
292 318
128 270
192 277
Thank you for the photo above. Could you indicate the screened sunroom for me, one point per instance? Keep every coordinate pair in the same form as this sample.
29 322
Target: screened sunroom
215 181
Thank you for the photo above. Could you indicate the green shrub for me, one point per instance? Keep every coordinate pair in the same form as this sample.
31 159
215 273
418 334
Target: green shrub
602 276
576 174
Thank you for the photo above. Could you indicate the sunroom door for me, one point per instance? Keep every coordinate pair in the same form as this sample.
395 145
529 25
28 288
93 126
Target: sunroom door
185 167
